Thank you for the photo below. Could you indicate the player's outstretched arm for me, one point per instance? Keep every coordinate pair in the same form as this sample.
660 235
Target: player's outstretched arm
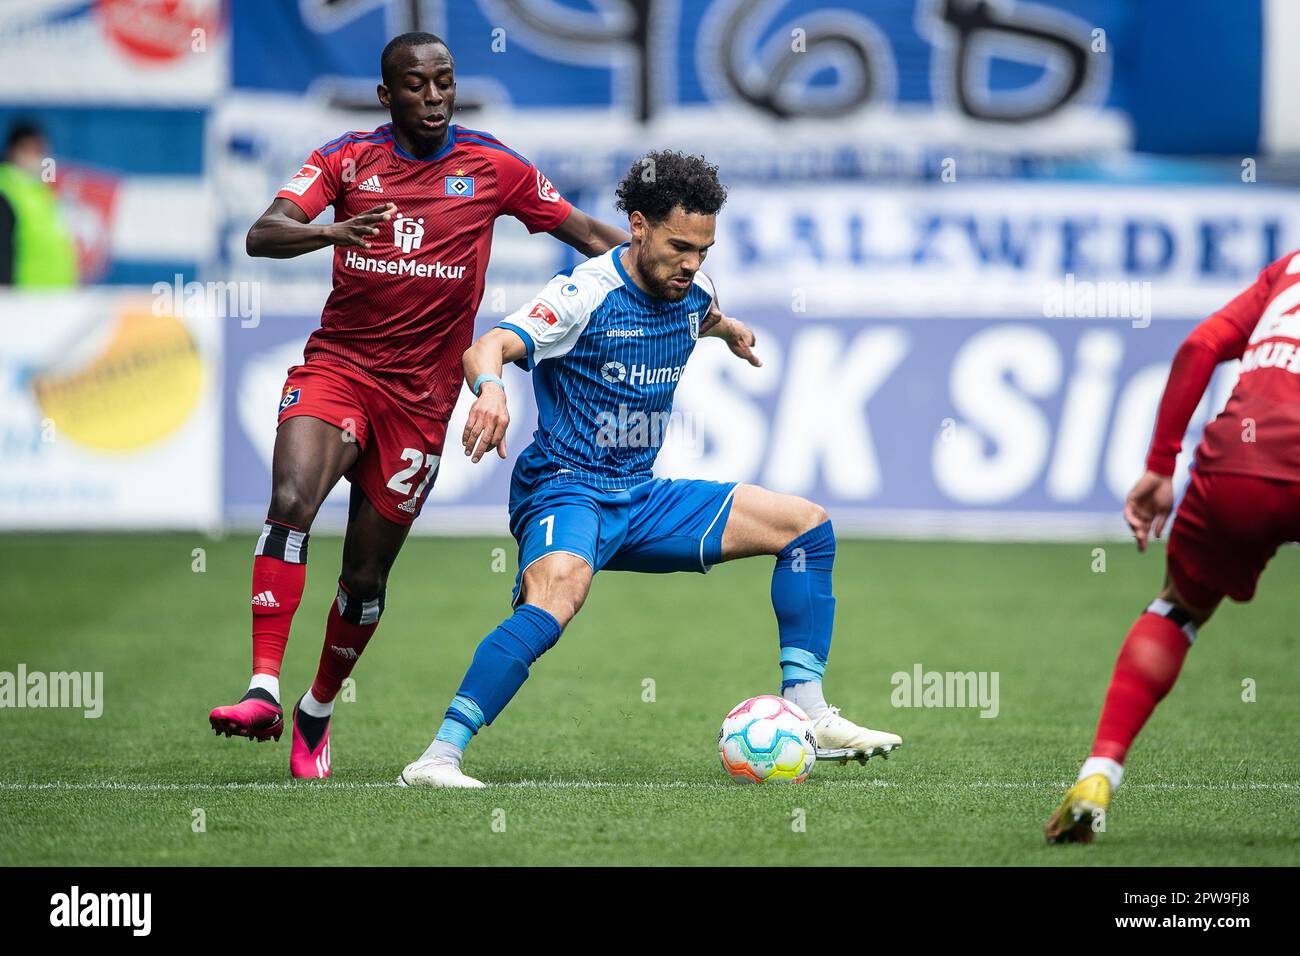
589 236
283 231
489 416
739 337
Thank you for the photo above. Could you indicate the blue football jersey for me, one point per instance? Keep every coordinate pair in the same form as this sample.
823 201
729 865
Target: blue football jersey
605 357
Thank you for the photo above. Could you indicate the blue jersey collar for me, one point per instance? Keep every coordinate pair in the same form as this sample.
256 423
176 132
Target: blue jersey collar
446 148
637 292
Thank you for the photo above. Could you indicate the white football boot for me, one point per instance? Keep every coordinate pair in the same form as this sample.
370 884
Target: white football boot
436 772
839 738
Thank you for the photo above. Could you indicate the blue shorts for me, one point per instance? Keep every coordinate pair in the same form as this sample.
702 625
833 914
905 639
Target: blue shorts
657 526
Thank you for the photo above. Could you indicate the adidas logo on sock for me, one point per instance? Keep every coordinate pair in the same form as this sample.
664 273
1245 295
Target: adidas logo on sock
371 185
347 653
265 599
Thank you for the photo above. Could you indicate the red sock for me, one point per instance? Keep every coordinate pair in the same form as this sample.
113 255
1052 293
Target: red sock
279 573
348 630
1147 667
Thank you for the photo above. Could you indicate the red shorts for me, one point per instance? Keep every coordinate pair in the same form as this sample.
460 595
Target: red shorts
400 448
1226 529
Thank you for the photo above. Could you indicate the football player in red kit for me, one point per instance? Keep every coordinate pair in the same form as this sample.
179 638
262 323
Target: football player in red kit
414 203
1243 501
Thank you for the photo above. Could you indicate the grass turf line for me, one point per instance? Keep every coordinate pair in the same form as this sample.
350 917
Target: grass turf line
591 772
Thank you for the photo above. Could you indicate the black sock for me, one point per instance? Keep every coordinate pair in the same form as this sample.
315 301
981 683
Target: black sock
311 728
257 693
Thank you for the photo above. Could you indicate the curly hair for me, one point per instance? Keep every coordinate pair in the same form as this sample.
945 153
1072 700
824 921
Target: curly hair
661 181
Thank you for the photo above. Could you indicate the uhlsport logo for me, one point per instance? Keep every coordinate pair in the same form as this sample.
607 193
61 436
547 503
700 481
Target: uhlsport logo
408 233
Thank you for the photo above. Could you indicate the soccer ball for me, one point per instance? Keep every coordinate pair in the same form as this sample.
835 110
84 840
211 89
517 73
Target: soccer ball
767 739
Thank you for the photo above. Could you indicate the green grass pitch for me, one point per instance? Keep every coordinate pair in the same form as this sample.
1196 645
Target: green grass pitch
583 770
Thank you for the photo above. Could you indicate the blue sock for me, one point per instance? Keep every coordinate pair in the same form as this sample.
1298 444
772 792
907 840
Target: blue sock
458 729
805 604
499 669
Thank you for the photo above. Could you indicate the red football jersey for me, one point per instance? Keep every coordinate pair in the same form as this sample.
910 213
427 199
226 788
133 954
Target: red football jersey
1258 431
402 311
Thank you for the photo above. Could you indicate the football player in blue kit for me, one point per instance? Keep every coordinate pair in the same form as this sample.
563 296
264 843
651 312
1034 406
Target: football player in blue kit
606 343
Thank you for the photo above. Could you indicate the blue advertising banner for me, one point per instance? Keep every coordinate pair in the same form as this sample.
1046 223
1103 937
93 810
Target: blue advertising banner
1026 427
932 65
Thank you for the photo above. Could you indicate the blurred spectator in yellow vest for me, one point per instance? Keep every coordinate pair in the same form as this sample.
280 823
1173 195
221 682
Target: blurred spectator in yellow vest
36 249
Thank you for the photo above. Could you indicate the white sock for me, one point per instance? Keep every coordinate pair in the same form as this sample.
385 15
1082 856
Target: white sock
267 682
312 707
807 695
1114 772
445 750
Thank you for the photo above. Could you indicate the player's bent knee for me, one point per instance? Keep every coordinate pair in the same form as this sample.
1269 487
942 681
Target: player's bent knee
813 515
291 505
558 584
798 517
562 600
1181 610
364 580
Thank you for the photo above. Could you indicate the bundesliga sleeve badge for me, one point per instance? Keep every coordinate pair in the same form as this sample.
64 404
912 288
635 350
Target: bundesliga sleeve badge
543 312
545 191
303 179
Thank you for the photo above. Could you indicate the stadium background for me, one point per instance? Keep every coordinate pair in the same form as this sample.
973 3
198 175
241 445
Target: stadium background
913 184
915 199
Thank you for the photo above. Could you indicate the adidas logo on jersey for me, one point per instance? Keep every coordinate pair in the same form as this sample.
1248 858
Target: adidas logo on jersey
265 599
371 185
347 653
411 505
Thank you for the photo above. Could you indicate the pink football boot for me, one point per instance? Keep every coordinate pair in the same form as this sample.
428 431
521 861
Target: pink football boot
309 762
254 718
